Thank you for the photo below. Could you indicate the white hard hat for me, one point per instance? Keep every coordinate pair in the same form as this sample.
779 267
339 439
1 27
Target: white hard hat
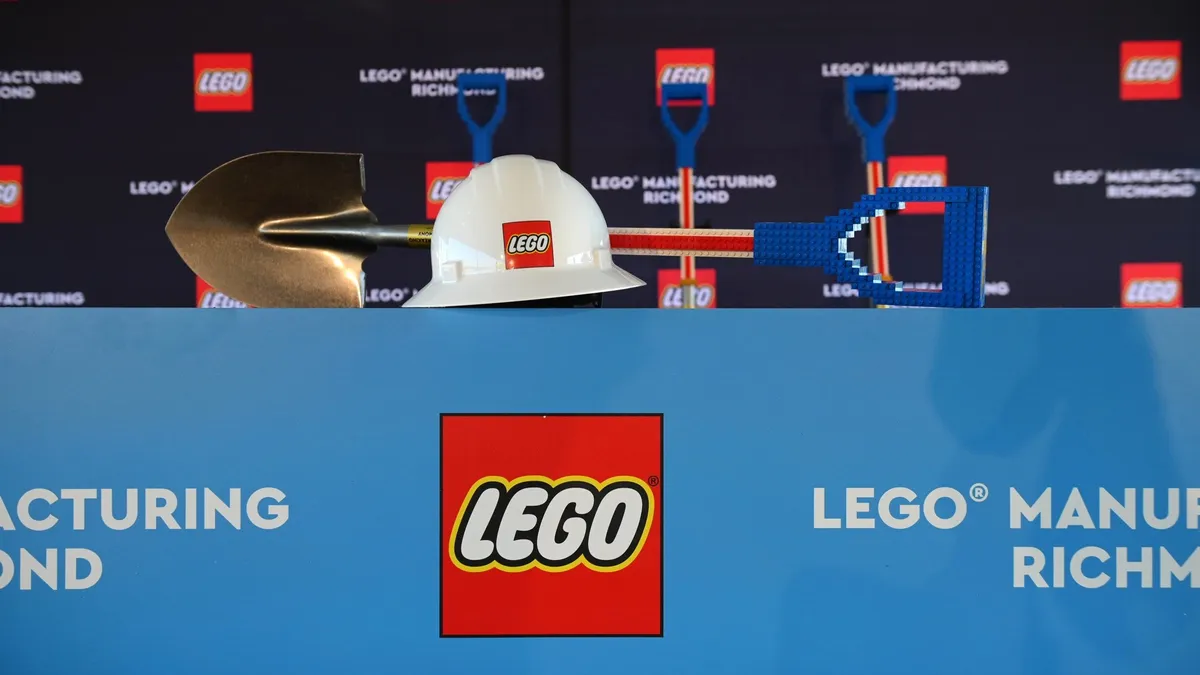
519 229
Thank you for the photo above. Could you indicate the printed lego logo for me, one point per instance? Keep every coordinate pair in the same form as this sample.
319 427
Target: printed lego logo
670 293
440 180
1152 285
918 171
621 510
528 243
1151 71
223 82
12 194
210 298
551 525
686 66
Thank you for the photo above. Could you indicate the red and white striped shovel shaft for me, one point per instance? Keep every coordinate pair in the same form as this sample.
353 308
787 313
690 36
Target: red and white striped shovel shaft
685 243
879 243
687 221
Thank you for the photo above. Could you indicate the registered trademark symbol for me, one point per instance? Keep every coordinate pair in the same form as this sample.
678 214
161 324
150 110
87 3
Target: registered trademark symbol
979 492
652 480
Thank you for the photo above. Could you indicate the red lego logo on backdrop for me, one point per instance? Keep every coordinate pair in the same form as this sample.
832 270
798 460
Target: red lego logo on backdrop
670 293
551 525
223 82
210 298
918 171
528 243
1152 71
12 194
1152 285
440 180
686 66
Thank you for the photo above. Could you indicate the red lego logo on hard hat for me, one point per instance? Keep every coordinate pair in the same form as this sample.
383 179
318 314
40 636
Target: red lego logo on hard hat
223 82
670 292
918 171
1152 285
12 194
551 525
1151 71
440 180
685 66
528 243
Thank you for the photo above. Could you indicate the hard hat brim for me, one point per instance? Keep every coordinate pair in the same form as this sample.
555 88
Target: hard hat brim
523 285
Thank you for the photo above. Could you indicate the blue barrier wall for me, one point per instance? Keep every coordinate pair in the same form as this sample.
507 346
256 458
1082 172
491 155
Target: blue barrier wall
773 422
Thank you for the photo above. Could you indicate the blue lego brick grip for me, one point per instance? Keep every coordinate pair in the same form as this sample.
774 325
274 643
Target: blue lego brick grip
685 142
872 135
826 245
481 136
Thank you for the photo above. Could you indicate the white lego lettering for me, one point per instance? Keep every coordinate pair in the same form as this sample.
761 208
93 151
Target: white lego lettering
919 179
528 243
377 295
694 74
843 69
218 300
441 188
1151 292
220 82
10 191
152 187
381 74
613 182
602 526
901 517
1077 177
1151 70
702 296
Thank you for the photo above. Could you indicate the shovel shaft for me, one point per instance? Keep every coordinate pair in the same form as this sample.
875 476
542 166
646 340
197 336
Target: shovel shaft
400 236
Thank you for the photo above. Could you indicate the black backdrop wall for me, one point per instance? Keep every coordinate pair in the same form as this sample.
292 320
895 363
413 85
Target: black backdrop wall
1090 174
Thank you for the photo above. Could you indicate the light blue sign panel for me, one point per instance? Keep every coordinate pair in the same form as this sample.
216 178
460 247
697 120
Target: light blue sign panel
785 433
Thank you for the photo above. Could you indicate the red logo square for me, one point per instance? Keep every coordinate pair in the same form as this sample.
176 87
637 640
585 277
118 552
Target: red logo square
1152 71
528 243
440 180
1152 285
670 293
12 194
223 82
918 171
685 66
551 525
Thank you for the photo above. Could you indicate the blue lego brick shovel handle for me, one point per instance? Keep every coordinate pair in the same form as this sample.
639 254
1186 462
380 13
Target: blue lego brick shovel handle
872 135
685 142
826 245
481 136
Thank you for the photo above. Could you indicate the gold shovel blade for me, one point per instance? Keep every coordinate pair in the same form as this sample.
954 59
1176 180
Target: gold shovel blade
226 229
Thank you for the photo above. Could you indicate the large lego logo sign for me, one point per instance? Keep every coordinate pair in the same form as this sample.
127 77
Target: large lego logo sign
1151 71
551 525
1150 285
685 66
223 82
918 171
12 194
670 292
440 180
